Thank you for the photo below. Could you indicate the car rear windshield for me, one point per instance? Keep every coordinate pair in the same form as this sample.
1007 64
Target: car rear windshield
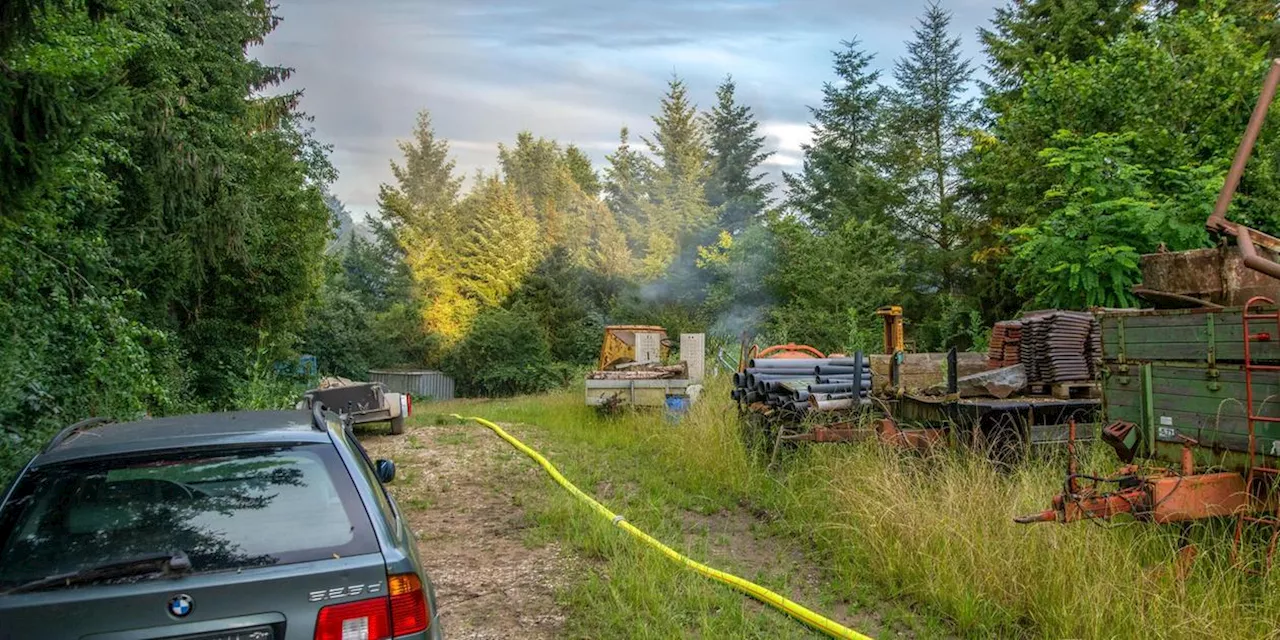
224 510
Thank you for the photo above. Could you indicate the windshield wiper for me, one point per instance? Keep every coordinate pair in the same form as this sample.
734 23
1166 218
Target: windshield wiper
171 563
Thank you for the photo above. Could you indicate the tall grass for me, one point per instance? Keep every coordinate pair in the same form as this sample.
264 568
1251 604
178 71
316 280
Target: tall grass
935 531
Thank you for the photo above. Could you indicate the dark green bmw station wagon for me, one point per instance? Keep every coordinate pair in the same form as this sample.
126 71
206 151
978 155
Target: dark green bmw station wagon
265 525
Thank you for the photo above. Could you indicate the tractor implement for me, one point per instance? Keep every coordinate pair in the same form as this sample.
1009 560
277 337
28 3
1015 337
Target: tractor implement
1162 496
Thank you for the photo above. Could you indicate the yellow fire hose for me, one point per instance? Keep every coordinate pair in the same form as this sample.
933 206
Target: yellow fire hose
795 610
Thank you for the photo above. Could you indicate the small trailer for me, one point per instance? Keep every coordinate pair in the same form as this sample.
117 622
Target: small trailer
631 372
361 402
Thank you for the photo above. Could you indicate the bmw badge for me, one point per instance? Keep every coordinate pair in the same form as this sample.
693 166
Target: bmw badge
181 605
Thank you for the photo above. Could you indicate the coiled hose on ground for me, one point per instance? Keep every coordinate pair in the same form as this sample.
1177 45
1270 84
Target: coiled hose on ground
793 609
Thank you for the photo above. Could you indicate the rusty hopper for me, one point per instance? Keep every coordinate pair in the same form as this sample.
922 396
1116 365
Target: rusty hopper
1205 277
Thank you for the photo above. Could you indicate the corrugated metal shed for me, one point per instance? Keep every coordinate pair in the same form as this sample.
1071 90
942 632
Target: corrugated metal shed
426 385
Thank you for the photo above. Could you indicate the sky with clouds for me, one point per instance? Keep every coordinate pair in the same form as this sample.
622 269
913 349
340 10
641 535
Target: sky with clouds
573 70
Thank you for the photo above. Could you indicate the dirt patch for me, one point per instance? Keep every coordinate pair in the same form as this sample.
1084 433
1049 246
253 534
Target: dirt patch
457 486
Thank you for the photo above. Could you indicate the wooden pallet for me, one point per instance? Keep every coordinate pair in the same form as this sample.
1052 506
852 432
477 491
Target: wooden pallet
1075 390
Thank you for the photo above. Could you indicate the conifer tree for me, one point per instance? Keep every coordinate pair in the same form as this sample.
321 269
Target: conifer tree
677 209
534 168
611 255
626 189
425 188
499 242
678 193
842 178
929 137
734 189
1025 30
583 173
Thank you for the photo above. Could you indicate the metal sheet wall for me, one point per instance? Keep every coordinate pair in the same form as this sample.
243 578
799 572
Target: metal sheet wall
419 384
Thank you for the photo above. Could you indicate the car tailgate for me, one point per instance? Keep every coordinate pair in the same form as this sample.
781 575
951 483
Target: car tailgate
268 603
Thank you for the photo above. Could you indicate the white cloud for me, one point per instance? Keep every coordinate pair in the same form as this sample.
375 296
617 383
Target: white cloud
787 137
783 160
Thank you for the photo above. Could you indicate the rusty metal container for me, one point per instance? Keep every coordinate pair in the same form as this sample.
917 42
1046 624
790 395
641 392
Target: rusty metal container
1216 275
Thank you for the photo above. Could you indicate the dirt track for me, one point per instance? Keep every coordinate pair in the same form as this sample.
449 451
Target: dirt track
454 482
461 488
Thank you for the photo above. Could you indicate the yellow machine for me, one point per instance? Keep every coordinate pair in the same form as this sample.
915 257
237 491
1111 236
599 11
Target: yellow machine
620 344
894 341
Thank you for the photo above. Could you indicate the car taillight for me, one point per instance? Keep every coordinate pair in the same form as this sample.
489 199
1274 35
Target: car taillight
361 620
409 612
408 405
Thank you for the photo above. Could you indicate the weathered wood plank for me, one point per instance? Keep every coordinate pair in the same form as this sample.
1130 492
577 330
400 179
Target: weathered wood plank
1189 341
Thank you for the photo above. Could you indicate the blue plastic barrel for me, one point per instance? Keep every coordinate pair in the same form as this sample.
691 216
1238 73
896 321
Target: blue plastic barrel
676 407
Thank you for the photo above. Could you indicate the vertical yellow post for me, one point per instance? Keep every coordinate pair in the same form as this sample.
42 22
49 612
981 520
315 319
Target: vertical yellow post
893 338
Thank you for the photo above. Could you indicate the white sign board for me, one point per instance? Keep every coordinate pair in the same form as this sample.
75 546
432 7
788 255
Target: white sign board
693 350
648 346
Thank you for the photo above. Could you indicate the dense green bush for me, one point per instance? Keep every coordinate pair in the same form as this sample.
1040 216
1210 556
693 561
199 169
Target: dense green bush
570 304
506 353
338 333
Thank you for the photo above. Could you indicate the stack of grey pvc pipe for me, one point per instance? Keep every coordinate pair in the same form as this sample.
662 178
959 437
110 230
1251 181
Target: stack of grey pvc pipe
797 386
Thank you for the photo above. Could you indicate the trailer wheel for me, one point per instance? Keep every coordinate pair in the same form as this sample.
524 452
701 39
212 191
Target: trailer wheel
397 425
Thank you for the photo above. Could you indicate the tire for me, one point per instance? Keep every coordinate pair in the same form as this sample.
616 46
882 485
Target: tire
397 425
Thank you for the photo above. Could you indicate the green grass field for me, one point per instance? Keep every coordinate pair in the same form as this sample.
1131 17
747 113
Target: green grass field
927 544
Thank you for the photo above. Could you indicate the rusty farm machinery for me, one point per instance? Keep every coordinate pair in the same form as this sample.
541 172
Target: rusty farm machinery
1189 390
1194 392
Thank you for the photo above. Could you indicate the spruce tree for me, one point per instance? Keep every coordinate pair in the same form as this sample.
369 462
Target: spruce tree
677 211
678 193
841 178
500 242
611 254
929 137
426 188
734 189
583 173
533 167
1024 31
626 189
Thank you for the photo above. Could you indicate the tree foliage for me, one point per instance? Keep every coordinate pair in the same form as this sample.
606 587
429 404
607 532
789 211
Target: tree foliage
167 241
161 209
734 188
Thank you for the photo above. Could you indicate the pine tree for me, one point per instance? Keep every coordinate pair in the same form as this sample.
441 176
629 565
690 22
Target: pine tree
626 190
929 139
678 194
734 189
426 188
841 179
1024 31
583 173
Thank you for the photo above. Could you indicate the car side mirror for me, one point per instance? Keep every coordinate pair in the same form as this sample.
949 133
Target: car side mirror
386 470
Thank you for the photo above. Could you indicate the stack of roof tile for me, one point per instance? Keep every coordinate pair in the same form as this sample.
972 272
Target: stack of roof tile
1060 346
1006 341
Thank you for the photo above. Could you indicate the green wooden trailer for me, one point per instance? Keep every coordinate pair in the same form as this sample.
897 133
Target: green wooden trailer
1180 375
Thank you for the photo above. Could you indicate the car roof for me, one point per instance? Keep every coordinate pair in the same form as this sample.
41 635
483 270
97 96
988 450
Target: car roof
177 432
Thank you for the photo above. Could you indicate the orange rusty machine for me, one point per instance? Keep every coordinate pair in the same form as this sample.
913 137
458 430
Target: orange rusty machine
1193 393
